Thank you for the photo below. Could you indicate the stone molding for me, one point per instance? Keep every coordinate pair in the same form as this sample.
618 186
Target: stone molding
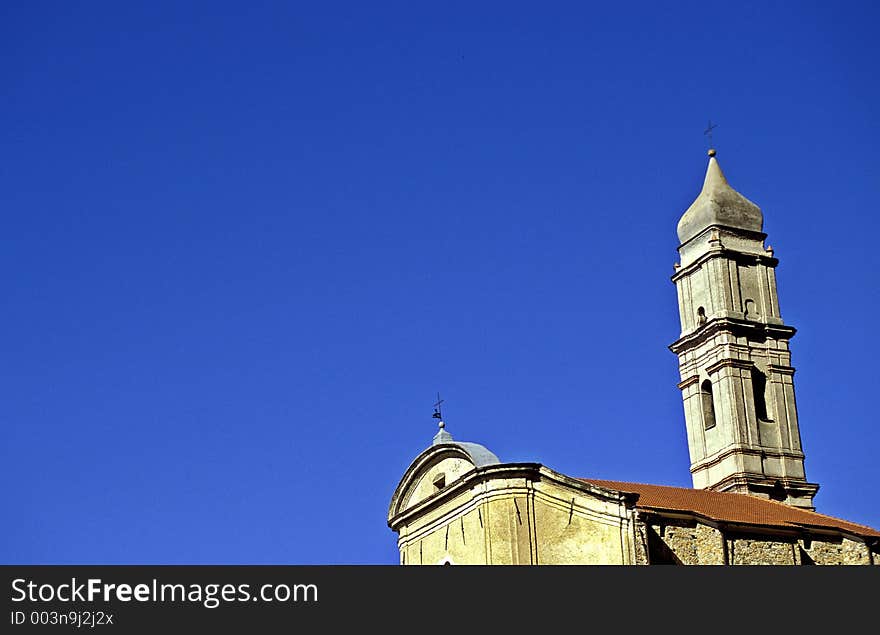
727 254
754 331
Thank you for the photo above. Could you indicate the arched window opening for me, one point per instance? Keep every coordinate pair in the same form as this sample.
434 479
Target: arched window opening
759 388
708 404
701 315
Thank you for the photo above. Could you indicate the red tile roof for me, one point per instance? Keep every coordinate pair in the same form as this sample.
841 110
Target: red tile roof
729 507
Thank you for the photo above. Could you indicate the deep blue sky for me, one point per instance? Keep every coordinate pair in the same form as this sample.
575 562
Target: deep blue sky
245 244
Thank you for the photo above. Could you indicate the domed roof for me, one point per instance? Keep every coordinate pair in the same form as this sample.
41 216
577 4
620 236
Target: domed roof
445 462
479 455
718 204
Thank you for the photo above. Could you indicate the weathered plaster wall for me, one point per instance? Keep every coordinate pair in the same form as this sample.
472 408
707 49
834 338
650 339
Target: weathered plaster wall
574 528
520 521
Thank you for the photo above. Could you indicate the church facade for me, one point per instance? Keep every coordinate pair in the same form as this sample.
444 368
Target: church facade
751 502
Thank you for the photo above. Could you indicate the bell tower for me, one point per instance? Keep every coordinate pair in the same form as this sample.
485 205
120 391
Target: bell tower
737 381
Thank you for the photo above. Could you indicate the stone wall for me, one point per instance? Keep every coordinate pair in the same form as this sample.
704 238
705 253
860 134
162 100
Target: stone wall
675 541
750 551
831 552
680 540
685 543
710 545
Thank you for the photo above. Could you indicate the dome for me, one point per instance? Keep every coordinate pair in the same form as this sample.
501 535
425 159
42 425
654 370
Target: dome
444 463
479 455
719 204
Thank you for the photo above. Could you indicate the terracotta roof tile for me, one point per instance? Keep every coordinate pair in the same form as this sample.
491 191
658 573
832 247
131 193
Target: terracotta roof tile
729 507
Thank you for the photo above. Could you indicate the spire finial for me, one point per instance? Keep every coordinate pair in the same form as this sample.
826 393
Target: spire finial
437 414
708 133
442 435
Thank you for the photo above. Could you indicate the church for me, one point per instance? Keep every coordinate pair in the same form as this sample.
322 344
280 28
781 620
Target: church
751 503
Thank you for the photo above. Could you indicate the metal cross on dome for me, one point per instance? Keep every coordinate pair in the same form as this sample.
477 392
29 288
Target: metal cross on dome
437 414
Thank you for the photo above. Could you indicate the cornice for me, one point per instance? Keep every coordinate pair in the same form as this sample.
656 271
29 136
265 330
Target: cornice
766 483
396 517
744 449
728 254
684 383
747 233
748 328
733 362
782 370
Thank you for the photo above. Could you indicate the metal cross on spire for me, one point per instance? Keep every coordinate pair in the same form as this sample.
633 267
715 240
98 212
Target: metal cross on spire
708 131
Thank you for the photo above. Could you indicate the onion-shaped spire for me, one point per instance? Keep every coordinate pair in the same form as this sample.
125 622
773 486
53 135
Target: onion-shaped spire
718 204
